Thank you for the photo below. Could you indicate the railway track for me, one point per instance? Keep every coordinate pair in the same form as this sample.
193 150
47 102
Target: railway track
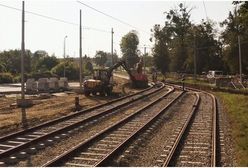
194 141
15 146
102 147
190 136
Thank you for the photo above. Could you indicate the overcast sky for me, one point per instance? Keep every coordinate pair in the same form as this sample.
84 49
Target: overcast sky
48 35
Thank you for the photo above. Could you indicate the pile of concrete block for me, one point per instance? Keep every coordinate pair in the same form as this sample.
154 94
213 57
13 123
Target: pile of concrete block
63 84
53 84
44 85
31 86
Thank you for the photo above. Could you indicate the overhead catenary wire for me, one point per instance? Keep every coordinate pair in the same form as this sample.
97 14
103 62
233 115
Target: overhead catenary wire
55 19
59 20
40 15
67 22
205 10
112 17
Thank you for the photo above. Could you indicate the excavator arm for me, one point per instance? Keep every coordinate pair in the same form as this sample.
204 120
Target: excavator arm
123 64
138 79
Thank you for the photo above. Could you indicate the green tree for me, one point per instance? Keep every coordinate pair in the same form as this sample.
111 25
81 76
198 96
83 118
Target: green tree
129 48
236 25
160 51
179 40
36 57
178 25
100 58
12 61
71 69
46 63
2 67
207 48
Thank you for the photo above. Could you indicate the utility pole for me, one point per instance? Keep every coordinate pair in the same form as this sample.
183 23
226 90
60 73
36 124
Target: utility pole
23 52
64 54
240 62
144 59
80 51
194 57
112 33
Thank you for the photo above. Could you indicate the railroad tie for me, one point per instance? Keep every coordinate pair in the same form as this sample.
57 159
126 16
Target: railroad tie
32 135
24 139
97 149
192 163
15 142
85 159
93 154
6 146
77 165
110 141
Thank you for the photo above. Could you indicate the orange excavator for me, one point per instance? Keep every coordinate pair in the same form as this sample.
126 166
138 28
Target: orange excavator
139 80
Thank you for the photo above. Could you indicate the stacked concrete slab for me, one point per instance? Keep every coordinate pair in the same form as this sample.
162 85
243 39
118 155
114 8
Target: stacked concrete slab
63 83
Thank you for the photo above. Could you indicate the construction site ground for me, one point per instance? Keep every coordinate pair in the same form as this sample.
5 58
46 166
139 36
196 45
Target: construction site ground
55 105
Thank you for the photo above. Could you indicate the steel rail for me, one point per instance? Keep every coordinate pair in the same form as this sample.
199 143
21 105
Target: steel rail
182 132
135 134
65 128
96 137
214 123
54 121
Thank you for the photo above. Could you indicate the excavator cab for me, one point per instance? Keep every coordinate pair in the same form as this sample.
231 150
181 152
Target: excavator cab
102 75
101 83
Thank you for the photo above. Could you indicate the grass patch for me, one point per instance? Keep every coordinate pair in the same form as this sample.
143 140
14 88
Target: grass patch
237 109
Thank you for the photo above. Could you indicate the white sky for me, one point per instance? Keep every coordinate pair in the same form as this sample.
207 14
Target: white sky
48 35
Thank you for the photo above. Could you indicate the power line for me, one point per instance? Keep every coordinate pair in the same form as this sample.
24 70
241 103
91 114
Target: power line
96 29
205 10
40 15
56 19
112 17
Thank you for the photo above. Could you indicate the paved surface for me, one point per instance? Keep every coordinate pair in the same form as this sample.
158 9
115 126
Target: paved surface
16 87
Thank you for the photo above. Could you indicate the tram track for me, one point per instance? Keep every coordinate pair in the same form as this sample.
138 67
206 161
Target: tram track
84 132
102 147
18 143
109 131
195 138
186 138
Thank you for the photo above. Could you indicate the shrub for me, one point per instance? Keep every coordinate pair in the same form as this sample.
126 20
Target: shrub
6 78
37 75
71 70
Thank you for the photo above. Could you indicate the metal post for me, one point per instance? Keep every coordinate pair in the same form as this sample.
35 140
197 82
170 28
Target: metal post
144 59
194 57
240 62
23 51
64 54
80 52
112 32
